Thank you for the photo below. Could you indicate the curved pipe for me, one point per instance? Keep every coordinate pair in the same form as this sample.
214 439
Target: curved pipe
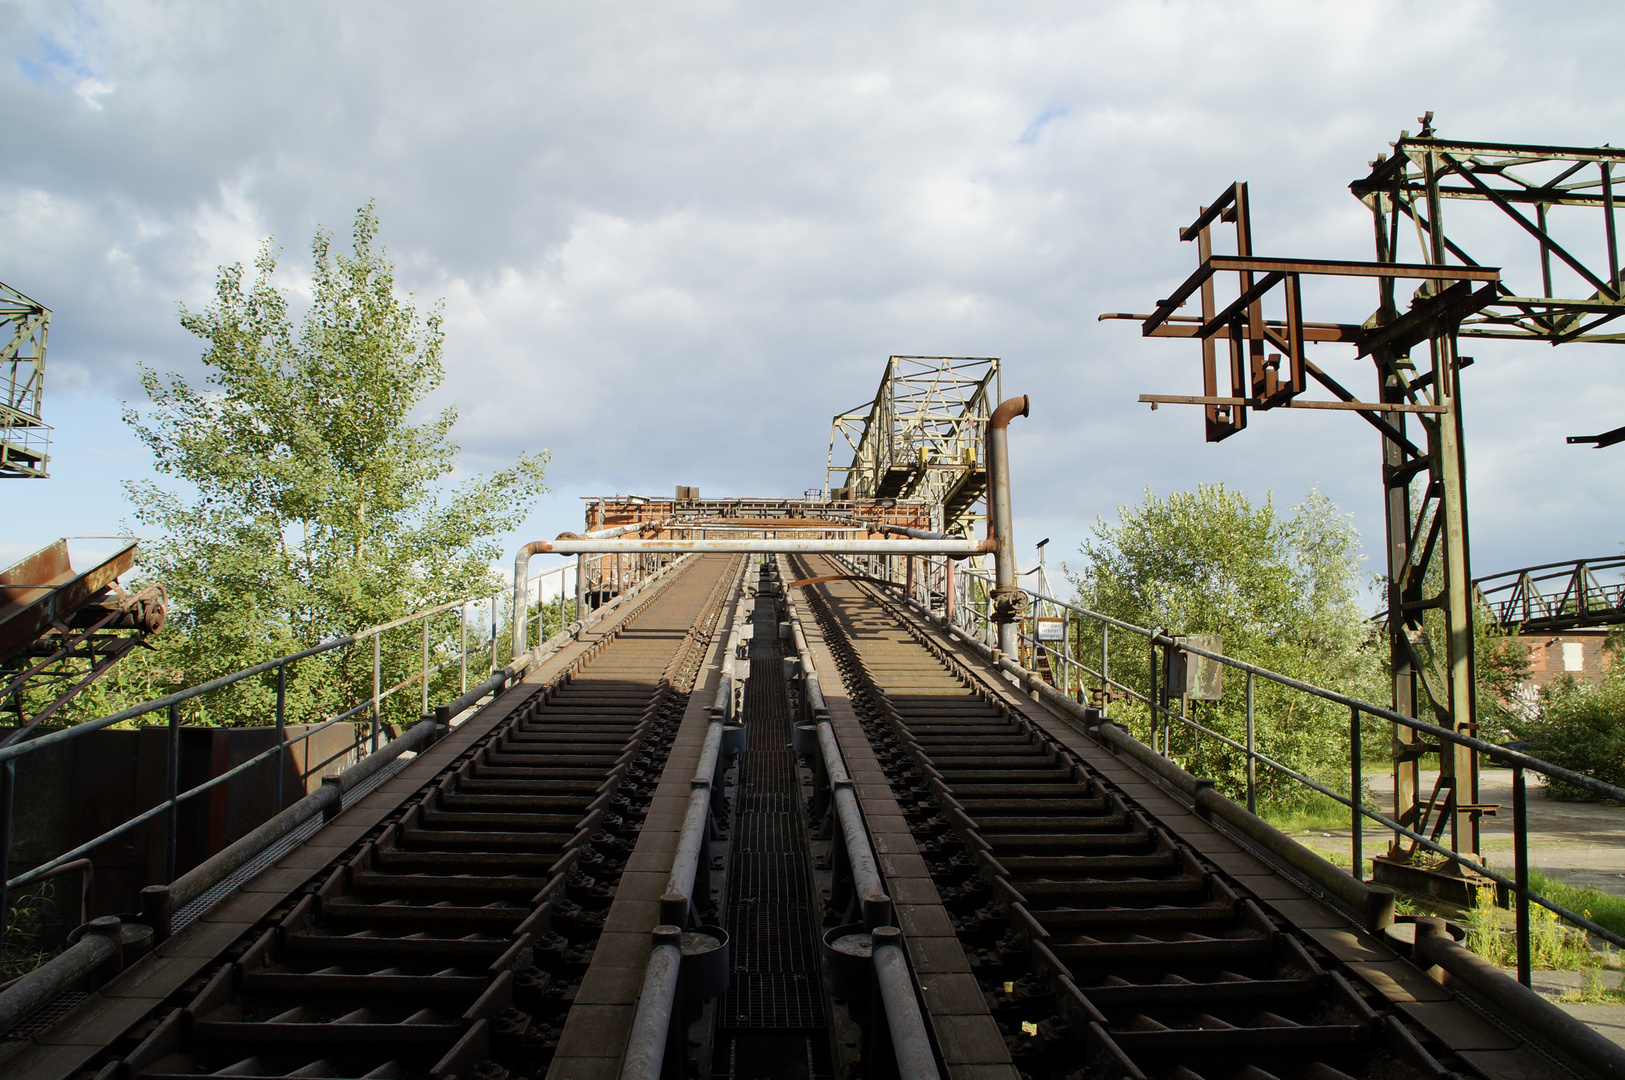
1000 524
521 569
521 589
1008 410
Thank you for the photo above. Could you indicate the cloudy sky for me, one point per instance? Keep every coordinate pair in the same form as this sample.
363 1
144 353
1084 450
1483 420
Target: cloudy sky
674 239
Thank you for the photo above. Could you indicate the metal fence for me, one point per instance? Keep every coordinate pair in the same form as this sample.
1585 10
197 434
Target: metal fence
438 653
962 598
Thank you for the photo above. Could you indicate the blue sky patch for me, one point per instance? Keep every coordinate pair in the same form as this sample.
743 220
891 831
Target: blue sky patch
1036 128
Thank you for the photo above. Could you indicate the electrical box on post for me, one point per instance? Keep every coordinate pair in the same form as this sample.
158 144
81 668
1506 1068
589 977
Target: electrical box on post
1192 676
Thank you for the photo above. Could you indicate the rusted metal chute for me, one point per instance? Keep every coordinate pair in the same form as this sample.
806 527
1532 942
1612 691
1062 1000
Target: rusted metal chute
64 628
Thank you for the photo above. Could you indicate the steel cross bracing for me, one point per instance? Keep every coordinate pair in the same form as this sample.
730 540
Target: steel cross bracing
920 437
1418 364
24 437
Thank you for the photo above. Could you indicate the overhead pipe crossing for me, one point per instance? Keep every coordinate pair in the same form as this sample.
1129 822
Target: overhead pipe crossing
999 542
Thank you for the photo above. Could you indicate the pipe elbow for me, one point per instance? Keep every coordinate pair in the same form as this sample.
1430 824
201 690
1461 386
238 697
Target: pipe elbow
1007 411
521 559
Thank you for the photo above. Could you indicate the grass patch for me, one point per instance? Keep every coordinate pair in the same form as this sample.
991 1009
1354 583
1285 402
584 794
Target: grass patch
1319 814
1604 909
25 949
1594 992
1553 945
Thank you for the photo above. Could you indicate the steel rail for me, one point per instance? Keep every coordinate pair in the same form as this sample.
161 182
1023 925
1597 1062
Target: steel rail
535 755
910 1044
646 1048
1035 683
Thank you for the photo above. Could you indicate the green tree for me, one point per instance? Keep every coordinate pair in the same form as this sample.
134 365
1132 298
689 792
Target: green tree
1502 666
311 504
1282 589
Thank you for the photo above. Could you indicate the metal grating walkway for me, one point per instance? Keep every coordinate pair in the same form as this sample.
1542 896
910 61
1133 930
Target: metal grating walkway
772 918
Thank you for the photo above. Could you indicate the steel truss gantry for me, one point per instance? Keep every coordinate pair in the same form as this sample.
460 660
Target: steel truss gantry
920 437
1418 366
24 437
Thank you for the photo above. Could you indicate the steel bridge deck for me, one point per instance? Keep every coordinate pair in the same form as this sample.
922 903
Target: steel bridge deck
486 912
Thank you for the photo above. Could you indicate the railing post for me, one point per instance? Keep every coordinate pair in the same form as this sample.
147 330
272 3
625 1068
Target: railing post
1153 694
1066 652
493 635
378 679
1252 751
8 791
1357 837
947 591
425 664
281 738
462 655
172 784
1105 670
1520 863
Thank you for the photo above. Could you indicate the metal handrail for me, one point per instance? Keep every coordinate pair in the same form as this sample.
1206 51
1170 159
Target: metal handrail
970 615
11 753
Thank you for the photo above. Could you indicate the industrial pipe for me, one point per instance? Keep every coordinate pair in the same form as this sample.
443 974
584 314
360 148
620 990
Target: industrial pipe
1435 946
685 864
105 941
860 856
521 576
160 902
651 1025
1009 601
915 534
910 1044
619 530
743 546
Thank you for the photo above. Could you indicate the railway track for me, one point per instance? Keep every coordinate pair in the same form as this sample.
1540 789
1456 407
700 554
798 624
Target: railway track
443 926
451 938
1103 945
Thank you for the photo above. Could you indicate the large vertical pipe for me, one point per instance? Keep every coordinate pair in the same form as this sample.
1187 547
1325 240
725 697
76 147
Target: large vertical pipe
1007 596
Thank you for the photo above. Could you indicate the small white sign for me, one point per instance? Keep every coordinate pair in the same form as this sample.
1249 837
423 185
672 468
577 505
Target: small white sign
1051 629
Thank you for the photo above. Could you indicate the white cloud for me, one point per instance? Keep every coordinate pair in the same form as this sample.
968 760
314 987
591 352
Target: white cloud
674 240
91 91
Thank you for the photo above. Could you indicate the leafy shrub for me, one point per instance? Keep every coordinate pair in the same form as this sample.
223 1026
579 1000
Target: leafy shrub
1580 726
1282 590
